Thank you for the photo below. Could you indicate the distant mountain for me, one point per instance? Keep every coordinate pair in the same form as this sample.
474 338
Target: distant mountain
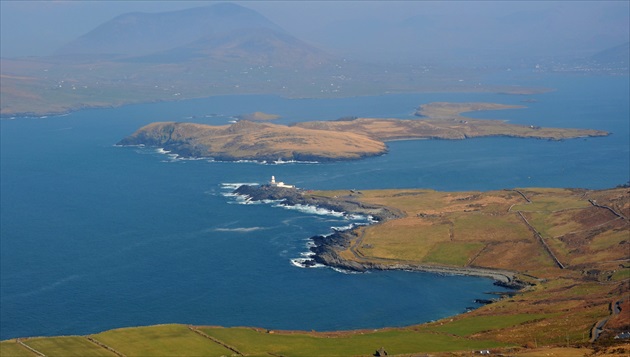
256 46
618 55
221 33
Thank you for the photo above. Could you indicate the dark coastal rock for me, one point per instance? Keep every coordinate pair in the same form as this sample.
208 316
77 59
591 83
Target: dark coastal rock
326 248
295 196
514 284
483 301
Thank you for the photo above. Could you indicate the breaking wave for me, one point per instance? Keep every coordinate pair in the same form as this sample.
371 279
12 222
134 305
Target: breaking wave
313 210
240 229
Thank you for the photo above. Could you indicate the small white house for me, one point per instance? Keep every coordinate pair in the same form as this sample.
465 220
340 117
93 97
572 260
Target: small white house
279 183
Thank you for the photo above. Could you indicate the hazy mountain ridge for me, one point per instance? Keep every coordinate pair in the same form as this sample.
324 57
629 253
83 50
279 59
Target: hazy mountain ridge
226 48
619 55
255 45
140 34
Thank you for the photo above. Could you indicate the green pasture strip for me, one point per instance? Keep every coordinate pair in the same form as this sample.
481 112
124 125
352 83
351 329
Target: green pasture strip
583 289
609 240
162 341
552 204
260 343
453 253
471 325
621 274
11 348
67 346
540 221
561 328
480 227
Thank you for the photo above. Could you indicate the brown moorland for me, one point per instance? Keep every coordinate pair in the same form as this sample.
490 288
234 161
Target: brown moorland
246 140
570 248
442 120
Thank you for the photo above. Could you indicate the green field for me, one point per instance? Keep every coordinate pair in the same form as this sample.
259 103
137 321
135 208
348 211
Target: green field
180 340
161 340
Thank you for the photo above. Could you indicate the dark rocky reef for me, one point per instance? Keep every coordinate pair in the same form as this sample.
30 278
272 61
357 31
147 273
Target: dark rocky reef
295 196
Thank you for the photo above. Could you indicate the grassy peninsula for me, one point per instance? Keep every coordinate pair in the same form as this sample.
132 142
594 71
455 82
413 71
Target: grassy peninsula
335 140
567 247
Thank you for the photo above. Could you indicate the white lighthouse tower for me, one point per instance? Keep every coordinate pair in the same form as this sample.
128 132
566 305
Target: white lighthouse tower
279 183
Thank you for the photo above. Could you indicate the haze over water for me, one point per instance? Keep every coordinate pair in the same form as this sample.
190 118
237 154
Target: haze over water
95 236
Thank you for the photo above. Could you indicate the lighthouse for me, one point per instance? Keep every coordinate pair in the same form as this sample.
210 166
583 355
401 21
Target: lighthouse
279 183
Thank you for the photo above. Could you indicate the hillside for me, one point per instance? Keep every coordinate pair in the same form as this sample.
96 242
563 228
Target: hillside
333 140
444 121
569 247
137 34
617 56
254 141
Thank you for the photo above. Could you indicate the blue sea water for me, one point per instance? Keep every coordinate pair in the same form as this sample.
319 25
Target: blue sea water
94 236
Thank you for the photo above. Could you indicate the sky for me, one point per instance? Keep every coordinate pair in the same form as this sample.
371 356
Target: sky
387 29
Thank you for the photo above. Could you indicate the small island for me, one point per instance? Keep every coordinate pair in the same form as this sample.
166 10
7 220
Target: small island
335 140
258 116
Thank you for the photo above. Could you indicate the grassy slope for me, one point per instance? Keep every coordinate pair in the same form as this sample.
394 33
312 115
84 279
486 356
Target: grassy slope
447 228
249 140
444 121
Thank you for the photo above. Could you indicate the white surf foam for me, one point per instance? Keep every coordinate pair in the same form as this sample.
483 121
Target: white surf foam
343 228
240 229
345 271
284 162
235 185
312 210
300 263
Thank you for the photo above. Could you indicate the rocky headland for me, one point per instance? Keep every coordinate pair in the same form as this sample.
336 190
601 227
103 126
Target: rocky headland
294 196
327 248
498 234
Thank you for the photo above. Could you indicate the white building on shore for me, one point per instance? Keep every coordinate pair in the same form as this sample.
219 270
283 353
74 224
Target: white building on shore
279 183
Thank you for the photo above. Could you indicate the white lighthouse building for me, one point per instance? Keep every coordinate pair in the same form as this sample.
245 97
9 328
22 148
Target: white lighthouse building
279 183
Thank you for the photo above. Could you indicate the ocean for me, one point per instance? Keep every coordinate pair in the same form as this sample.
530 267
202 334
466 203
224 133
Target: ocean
95 236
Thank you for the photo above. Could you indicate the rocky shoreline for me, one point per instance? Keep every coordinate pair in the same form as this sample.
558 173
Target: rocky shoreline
294 196
325 248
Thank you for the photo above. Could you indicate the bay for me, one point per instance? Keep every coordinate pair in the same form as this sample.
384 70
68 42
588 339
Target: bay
94 236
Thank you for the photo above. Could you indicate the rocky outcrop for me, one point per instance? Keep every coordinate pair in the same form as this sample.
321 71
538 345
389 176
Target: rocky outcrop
294 196
326 250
